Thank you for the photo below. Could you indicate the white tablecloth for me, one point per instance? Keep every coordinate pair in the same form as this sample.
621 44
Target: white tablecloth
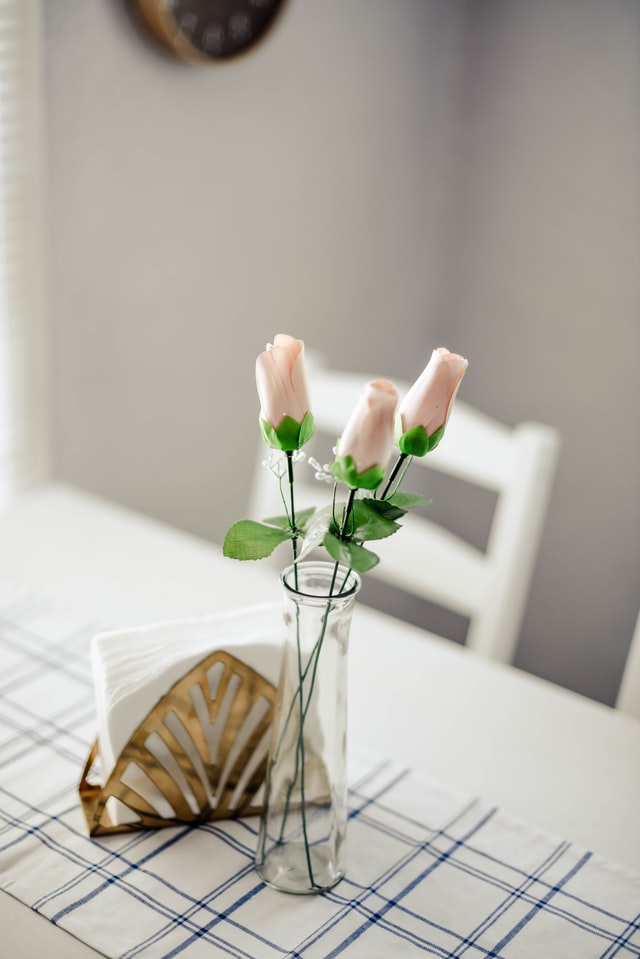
431 871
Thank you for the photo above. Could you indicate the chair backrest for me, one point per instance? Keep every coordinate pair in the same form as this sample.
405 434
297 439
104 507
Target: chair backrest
628 700
489 587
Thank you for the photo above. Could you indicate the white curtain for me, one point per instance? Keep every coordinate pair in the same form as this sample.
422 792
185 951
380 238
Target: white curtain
24 346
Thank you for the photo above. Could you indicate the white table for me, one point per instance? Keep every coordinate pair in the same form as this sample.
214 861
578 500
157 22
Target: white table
548 755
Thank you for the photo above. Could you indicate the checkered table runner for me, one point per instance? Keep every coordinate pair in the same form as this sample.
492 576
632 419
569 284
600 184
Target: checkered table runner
432 872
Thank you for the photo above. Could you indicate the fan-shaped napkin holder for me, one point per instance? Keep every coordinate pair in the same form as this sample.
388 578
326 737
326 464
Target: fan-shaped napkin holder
200 754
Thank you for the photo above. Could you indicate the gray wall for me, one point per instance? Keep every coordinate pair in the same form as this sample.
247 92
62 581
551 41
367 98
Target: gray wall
378 178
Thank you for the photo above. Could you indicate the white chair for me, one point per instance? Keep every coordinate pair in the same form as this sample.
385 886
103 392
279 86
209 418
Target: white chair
489 587
628 700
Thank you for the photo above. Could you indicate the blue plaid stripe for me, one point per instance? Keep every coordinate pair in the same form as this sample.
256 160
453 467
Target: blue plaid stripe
454 878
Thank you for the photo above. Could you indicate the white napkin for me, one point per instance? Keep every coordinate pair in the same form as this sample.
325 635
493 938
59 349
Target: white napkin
134 668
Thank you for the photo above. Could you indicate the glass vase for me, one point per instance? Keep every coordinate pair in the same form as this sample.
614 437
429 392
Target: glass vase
301 842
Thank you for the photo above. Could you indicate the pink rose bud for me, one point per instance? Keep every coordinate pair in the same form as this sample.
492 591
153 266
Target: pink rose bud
425 410
367 440
284 396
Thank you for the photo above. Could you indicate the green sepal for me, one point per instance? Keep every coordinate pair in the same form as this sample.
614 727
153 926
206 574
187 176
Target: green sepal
369 523
417 442
345 469
247 539
435 438
289 435
350 554
307 428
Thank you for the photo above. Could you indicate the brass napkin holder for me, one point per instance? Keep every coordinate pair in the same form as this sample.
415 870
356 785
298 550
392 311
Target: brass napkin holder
199 755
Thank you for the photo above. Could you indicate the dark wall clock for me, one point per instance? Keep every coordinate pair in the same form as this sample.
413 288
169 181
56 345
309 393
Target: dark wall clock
203 31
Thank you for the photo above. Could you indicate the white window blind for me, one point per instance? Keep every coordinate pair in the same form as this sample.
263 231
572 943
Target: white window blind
24 346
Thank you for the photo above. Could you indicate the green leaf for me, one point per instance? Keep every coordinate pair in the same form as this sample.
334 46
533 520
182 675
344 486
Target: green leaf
247 539
385 508
397 505
370 523
303 515
350 554
282 522
316 531
407 501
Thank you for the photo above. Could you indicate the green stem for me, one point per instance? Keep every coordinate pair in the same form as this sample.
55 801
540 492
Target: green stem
347 512
302 674
299 766
292 517
345 521
394 472
300 751
313 662
315 652
304 709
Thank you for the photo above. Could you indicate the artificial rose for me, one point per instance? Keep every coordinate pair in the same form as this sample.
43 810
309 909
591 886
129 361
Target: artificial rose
425 410
285 415
366 443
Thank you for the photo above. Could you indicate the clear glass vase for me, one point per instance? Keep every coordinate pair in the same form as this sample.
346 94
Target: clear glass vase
301 843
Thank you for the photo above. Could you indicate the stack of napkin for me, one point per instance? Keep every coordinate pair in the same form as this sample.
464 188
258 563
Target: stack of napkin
134 668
